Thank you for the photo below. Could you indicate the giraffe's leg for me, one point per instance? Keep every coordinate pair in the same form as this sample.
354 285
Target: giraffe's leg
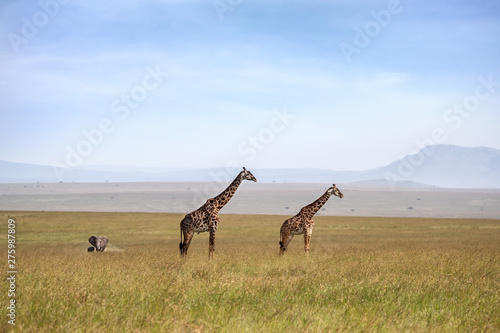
211 244
307 240
213 225
286 238
188 236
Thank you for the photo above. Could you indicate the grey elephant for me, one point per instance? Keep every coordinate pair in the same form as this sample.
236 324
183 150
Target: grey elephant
90 249
99 242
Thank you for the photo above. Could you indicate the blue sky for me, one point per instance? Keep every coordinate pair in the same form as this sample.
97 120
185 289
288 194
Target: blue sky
343 85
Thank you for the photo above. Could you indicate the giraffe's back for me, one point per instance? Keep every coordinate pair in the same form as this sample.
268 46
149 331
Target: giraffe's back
198 221
295 225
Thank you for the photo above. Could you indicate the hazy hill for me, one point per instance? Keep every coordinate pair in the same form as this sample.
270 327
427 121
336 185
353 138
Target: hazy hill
450 166
441 165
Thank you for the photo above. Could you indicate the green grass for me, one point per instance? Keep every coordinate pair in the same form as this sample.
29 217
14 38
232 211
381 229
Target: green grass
363 274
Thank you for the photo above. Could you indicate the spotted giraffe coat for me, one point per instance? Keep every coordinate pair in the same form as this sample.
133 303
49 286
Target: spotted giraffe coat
303 223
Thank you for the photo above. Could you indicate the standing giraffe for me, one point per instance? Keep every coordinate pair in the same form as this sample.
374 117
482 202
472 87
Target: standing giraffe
302 223
206 218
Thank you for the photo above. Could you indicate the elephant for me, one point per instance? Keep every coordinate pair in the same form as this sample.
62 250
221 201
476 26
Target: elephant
90 249
99 242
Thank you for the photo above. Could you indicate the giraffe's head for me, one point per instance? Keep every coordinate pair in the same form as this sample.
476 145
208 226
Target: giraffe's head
335 191
247 175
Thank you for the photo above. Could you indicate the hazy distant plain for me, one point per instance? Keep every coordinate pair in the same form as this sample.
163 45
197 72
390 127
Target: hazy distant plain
251 198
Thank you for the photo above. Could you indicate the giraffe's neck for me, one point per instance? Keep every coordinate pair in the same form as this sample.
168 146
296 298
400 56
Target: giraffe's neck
222 199
311 209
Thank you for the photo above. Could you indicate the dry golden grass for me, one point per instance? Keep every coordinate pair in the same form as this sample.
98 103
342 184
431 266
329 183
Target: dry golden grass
363 274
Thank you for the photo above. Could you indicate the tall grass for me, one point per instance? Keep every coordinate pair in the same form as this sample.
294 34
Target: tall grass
363 274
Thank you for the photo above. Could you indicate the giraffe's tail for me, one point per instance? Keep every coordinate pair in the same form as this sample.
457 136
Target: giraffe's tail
281 240
181 245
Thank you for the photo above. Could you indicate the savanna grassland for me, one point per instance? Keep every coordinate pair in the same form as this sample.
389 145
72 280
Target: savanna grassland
363 274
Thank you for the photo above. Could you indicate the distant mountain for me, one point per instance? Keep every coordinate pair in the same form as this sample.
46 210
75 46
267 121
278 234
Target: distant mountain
449 166
19 172
440 165
385 182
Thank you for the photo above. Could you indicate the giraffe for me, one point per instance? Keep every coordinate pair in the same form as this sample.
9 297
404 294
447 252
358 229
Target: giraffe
206 218
302 223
